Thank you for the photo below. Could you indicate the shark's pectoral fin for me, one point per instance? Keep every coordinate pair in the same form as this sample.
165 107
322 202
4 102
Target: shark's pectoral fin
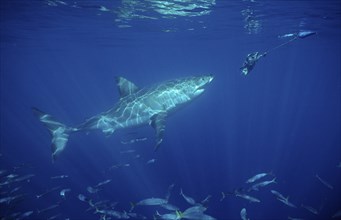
125 87
158 122
108 132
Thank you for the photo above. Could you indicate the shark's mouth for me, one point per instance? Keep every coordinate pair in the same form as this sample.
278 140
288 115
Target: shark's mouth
198 91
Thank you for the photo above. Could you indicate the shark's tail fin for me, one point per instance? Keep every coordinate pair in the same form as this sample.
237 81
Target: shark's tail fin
59 132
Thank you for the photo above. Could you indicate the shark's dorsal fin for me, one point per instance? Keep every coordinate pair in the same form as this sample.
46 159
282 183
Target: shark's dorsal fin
125 87
158 122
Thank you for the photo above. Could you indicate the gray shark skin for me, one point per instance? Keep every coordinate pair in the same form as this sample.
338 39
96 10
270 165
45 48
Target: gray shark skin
135 107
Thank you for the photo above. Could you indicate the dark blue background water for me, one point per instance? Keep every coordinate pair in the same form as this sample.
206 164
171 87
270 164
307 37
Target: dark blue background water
283 117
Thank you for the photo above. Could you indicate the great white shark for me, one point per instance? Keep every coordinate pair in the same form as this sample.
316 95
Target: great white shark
150 105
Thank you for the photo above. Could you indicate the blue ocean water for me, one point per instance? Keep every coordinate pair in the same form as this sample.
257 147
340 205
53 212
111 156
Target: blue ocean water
283 118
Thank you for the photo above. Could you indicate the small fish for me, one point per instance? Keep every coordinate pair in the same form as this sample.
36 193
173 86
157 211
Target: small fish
152 201
15 189
187 198
262 184
54 217
135 215
127 152
243 214
22 178
286 202
119 166
247 197
287 35
169 191
194 209
112 213
324 182
11 176
222 196
47 192
169 207
5 183
101 204
82 198
151 161
63 192
24 215
195 212
92 190
9 199
59 177
206 200
339 166
291 218
257 177
310 209
48 208
304 34
168 216
103 183
279 195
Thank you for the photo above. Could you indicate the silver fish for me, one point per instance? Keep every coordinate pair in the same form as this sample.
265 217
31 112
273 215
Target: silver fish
243 214
169 191
247 197
25 215
48 208
196 212
92 190
119 166
286 202
222 196
279 195
54 216
262 184
169 207
9 199
103 183
22 178
324 182
59 177
168 216
257 177
291 218
206 200
187 198
63 192
47 192
152 201
127 151
151 161
310 209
